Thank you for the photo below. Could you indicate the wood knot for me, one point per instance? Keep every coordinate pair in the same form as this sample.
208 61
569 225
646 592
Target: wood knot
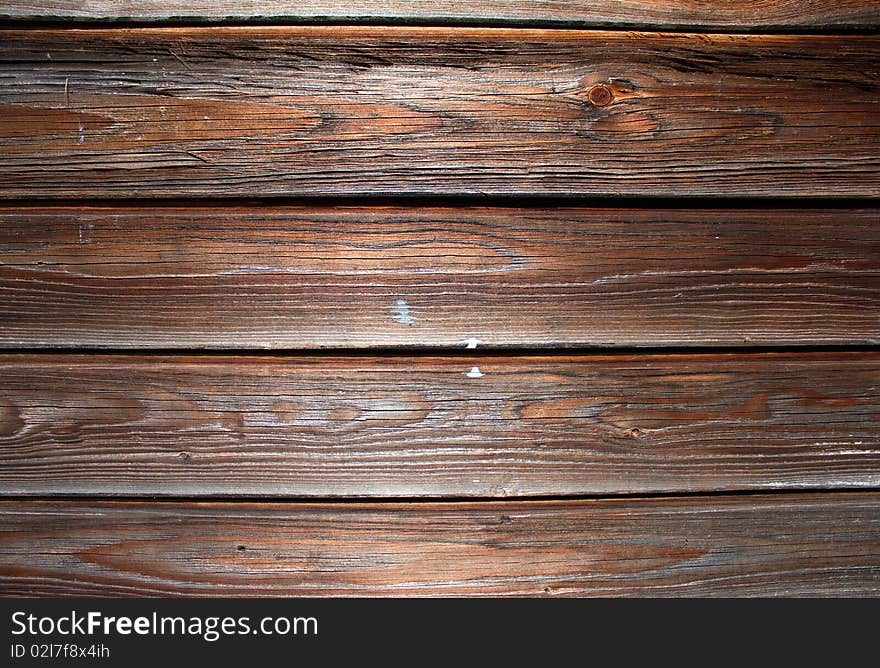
600 95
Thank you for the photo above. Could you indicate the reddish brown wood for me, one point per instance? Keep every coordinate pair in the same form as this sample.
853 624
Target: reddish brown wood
723 14
312 277
781 545
374 110
423 427
255 112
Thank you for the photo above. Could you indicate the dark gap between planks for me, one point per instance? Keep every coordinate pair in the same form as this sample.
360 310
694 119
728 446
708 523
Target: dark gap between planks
294 500
109 23
485 350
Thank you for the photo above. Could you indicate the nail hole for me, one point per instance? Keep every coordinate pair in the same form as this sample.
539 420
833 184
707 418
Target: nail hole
635 433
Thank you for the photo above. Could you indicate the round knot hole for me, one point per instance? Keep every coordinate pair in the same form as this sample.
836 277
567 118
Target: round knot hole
600 95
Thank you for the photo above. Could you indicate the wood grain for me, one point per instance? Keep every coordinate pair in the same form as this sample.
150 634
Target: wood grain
780 545
705 14
432 427
396 111
358 277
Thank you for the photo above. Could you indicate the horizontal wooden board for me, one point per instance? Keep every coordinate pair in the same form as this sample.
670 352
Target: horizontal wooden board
780 545
307 277
458 426
393 111
723 14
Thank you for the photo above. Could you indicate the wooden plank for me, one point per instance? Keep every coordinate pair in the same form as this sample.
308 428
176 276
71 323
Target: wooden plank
705 14
377 110
311 277
458 426
779 545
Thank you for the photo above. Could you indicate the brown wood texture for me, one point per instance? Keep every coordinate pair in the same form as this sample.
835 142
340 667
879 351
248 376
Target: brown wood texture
431 427
312 277
779 545
723 14
392 111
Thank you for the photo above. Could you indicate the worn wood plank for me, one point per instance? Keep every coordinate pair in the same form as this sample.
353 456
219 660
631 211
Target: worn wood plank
457 426
312 277
705 14
780 545
377 110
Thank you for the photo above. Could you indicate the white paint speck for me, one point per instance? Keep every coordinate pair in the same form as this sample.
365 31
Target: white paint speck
82 136
471 343
475 372
402 313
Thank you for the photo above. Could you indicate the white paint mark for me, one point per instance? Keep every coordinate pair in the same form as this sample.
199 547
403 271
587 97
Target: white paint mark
402 313
49 56
471 343
475 372
84 231
82 136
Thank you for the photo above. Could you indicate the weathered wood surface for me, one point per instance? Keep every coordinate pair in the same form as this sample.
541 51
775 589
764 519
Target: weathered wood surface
706 14
307 277
820 544
458 426
372 110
